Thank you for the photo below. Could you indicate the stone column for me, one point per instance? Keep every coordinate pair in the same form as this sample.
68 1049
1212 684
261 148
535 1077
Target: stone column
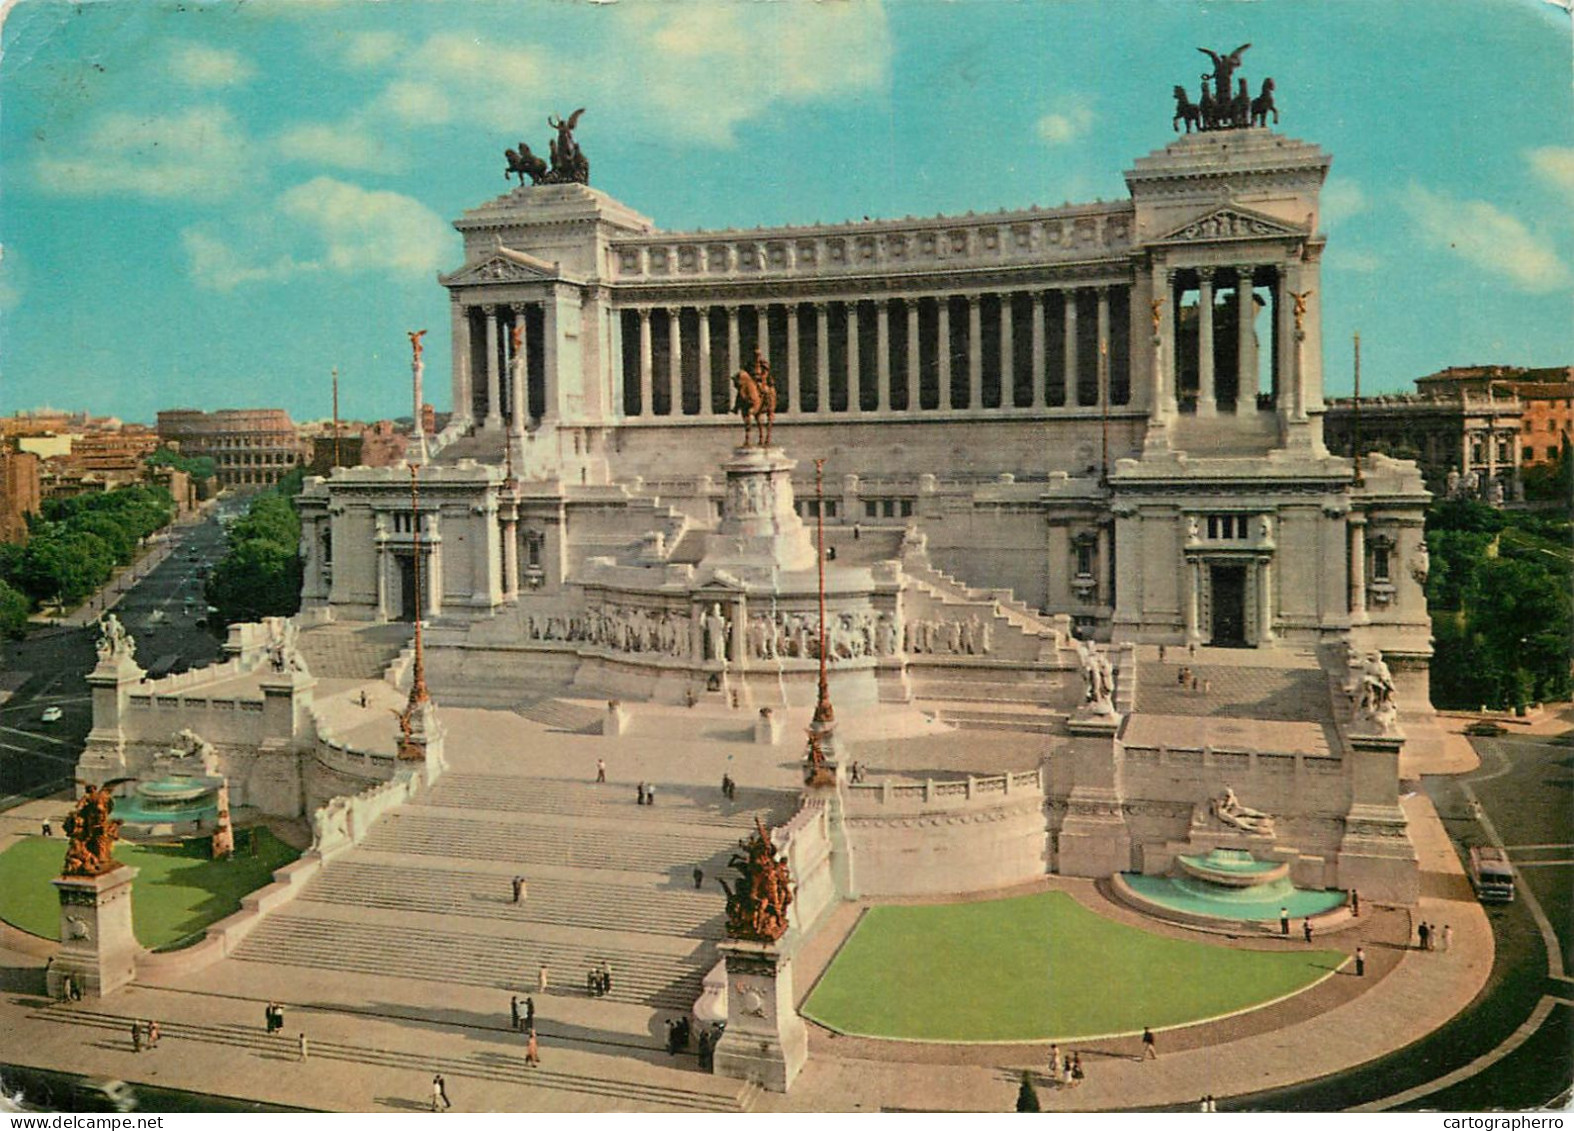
765 1039
675 361
510 555
707 378
975 353
794 364
459 321
1071 347
1289 395
1265 603
822 358
1193 591
1357 567
1038 349
1102 328
943 354
762 332
734 362
551 357
854 362
913 392
519 402
645 361
1008 353
1206 403
98 946
1246 342
1491 442
494 417
882 326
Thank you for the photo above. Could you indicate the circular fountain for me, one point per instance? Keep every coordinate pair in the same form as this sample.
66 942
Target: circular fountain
174 806
1227 888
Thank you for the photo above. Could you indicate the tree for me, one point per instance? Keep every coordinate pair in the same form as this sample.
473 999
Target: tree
257 578
1027 1095
13 612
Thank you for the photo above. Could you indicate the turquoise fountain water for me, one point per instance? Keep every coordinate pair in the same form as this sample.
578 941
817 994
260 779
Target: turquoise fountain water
1230 883
170 801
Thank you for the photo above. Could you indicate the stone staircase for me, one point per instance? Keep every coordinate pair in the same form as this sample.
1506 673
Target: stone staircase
426 895
352 651
1031 700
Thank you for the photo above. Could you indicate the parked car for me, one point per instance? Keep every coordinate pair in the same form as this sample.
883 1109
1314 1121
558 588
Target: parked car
51 714
1486 728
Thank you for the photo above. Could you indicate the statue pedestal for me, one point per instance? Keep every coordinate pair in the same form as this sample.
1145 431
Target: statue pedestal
760 531
98 947
766 1040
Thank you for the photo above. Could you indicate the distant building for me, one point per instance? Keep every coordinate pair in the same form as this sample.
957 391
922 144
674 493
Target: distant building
1452 430
20 495
360 445
1547 395
250 447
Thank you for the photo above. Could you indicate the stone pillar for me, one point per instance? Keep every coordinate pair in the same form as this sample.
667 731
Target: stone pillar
734 362
765 1039
943 353
1038 349
1071 348
1265 602
1357 567
1206 401
762 332
459 322
1284 334
494 418
854 362
552 358
519 402
1491 442
1246 342
1193 593
707 378
822 358
675 361
794 364
1008 353
882 367
510 555
98 948
645 361
1102 328
975 353
913 392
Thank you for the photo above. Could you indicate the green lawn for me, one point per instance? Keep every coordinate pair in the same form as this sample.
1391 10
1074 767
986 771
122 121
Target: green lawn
178 891
1035 968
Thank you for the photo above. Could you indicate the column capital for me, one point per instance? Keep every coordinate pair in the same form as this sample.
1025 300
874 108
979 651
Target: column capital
1205 275
973 299
1245 271
643 312
518 307
821 305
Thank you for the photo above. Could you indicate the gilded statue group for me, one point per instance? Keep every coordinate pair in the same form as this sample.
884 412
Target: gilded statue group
756 399
758 900
1221 106
92 833
569 165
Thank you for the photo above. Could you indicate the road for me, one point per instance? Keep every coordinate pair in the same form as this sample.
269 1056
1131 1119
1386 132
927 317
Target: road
48 669
1511 1048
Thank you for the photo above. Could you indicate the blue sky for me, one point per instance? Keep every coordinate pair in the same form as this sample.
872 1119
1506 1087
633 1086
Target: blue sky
213 204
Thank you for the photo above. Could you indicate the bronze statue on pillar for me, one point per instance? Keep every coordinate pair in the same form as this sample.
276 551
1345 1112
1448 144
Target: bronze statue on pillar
757 904
1227 104
756 399
408 749
92 832
569 164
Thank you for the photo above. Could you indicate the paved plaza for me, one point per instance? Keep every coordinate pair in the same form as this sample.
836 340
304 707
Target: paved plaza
400 958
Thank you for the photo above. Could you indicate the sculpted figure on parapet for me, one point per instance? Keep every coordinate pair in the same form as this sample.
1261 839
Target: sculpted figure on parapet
92 833
1229 811
113 639
758 900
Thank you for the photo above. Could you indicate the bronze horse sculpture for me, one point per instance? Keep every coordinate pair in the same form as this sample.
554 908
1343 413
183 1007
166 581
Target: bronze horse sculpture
1263 105
524 163
1186 111
756 399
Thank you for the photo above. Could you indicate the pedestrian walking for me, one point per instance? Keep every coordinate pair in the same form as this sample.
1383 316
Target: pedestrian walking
1355 904
1207 686
1065 1072
1150 1049
532 1051
513 1011
440 1092
136 1036
1448 936
1424 936
1076 1069
1191 649
530 1012
1161 653
640 789
1360 962
519 888
1306 929
601 770
699 878
301 1045
1054 1061
606 977
1284 921
153 1034
49 830
650 795
704 1052
541 980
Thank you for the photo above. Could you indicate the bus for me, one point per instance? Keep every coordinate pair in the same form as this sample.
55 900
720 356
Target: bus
1492 875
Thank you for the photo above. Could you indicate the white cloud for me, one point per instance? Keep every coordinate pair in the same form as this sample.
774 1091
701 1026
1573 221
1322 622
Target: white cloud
202 66
200 151
363 230
373 48
1341 198
348 145
1066 124
217 265
452 75
1554 164
1486 236
417 103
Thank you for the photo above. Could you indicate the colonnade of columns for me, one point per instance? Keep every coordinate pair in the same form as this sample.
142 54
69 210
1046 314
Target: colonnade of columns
886 355
499 384
1205 396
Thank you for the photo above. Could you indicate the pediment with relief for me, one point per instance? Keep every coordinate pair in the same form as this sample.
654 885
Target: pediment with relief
1228 224
504 265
